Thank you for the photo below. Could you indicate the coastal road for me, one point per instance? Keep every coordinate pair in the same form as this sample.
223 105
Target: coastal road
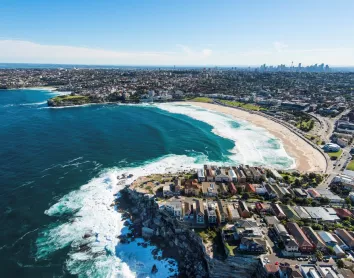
328 124
338 166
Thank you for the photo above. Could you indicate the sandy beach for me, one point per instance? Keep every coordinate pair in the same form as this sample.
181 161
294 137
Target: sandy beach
307 158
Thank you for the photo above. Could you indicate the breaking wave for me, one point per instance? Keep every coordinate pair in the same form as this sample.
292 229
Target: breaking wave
253 145
94 225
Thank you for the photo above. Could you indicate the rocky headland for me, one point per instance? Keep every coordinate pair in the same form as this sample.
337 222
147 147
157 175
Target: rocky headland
176 240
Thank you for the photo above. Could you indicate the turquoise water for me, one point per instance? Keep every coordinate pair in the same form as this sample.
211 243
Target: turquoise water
59 169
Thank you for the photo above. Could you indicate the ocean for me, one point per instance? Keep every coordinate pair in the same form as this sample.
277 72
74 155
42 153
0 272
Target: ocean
60 170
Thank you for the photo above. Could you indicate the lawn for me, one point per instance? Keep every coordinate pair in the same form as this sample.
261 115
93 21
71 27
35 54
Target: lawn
351 166
336 154
291 179
314 138
206 234
306 125
248 106
202 99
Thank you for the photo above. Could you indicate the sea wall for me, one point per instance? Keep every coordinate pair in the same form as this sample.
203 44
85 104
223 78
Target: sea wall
160 227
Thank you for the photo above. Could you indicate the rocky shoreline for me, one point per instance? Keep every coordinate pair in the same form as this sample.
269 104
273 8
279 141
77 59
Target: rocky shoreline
176 240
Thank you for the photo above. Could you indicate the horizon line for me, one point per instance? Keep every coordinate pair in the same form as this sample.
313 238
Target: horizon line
142 65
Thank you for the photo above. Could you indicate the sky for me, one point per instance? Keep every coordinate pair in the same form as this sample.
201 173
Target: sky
203 33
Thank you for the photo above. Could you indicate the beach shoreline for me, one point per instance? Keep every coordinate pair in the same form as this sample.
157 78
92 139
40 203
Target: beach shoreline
307 158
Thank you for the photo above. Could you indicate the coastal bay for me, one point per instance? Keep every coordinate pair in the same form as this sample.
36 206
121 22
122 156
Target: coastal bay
62 199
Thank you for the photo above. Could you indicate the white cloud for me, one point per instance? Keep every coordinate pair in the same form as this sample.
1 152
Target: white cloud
20 51
207 52
29 52
280 46
204 53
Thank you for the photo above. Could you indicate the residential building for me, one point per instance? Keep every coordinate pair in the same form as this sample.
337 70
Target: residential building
271 221
221 211
322 214
299 192
281 232
291 245
262 208
188 211
341 243
192 188
209 189
300 237
314 194
211 214
248 173
254 245
271 193
301 212
221 175
200 212
201 175
346 237
232 188
343 213
209 174
241 177
260 189
166 190
256 174
250 188
178 186
346 181
223 189
327 238
243 209
315 238
333 198
277 211
339 252
232 212
232 175
174 206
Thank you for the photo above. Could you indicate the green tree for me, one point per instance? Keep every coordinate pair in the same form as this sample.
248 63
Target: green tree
340 263
330 250
319 255
324 201
297 182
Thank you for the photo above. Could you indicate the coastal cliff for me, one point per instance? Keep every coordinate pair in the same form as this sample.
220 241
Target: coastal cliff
178 240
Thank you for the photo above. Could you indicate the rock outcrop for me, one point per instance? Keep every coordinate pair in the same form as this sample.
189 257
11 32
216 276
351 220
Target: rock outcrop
168 233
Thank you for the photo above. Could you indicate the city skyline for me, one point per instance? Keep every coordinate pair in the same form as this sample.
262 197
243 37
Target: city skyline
227 33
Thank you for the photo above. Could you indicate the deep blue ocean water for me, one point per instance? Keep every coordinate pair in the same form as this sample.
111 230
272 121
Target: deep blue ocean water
47 153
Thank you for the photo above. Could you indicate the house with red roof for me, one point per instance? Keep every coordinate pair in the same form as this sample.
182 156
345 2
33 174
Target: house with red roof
250 188
314 194
232 188
343 213
302 240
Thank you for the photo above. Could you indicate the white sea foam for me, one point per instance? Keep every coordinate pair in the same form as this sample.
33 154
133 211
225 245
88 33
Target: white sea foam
91 213
253 145
33 103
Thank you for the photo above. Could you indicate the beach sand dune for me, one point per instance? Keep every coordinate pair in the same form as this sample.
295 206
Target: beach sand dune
307 158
